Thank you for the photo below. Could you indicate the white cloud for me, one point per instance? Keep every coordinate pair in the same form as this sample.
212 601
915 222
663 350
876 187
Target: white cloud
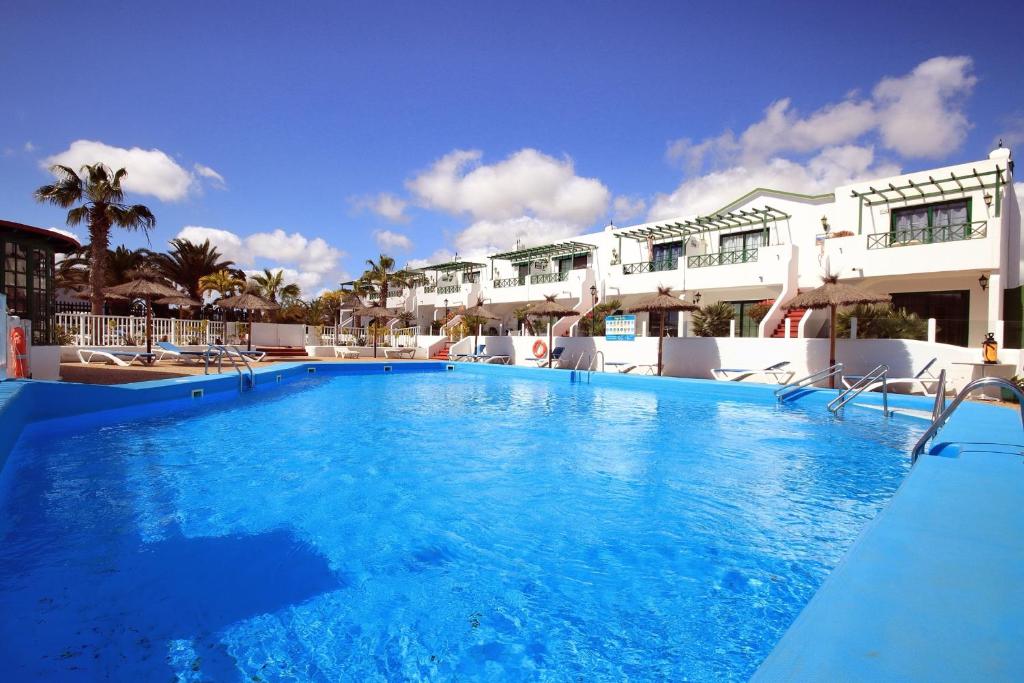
386 239
216 179
385 205
66 232
917 115
625 209
150 171
529 195
29 147
312 261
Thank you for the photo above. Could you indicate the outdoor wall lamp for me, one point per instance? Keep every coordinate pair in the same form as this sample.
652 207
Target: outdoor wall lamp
983 282
824 224
696 298
988 199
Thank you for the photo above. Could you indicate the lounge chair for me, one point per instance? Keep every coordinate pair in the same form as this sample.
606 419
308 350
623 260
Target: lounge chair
624 367
924 380
173 350
776 372
121 358
469 356
556 358
484 357
407 352
345 352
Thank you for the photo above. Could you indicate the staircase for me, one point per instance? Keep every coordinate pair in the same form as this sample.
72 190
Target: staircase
792 319
283 352
442 353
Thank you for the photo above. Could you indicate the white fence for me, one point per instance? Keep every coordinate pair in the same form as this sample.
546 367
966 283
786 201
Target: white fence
358 336
86 329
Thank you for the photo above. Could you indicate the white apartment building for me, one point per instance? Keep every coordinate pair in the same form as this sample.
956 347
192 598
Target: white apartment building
945 243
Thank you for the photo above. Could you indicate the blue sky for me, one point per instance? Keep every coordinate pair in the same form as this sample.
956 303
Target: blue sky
311 136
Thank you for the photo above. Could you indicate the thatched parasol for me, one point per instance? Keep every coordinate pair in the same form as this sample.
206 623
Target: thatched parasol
479 311
181 301
247 301
662 302
141 288
549 308
375 313
831 295
86 293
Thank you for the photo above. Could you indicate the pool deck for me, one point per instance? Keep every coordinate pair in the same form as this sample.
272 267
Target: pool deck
933 590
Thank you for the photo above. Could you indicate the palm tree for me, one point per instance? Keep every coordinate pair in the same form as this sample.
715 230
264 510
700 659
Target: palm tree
224 282
272 285
187 262
382 275
101 209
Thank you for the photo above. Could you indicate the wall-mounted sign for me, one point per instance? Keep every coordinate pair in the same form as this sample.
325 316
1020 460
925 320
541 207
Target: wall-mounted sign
620 327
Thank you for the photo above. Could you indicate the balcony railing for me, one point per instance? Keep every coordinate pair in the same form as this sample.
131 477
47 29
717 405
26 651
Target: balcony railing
449 289
510 282
429 288
722 258
913 236
549 277
649 266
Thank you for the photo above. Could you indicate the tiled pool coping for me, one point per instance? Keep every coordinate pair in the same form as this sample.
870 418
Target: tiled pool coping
930 591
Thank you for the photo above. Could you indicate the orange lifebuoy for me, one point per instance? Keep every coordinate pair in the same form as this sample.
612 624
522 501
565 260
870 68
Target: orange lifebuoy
17 352
540 349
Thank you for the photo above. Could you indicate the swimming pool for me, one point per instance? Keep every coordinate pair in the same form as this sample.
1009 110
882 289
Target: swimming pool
477 524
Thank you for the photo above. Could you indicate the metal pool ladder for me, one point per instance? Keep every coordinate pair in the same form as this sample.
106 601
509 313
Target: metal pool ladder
940 421
591 362
788 390
232 353
878 374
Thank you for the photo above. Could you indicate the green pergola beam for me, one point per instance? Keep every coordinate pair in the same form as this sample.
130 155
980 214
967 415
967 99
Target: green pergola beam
450 266
720 221
570 248
874 196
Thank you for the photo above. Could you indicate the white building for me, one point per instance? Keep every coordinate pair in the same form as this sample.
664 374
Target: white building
945 243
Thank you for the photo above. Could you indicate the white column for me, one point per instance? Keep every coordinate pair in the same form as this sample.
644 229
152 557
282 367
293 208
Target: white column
932 330
732 327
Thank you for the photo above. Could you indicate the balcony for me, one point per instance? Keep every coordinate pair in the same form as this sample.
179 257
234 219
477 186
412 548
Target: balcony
649 266
935 235
549 277
429 289
509 282
722 258
449 289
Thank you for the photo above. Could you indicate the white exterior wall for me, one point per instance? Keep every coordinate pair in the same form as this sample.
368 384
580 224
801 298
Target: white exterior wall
795 258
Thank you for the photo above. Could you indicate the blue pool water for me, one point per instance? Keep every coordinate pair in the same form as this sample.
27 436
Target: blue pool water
438 526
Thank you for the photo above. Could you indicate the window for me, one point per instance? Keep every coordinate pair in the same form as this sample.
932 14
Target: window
942 222
743 241
16 278
666 255
951 311
577 262
472 276
745 326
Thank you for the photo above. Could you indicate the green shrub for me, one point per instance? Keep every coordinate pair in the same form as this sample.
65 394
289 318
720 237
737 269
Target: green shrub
713 320
881 321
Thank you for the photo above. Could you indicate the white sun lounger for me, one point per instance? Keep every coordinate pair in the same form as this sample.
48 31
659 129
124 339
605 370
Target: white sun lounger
623 367
923 380
400 353
121 358
776 372
345 352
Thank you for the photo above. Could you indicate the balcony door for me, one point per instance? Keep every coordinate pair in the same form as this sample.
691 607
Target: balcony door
950 309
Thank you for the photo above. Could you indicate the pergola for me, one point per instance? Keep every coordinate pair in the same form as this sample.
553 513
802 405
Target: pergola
741 218
933 187
542 252
457 266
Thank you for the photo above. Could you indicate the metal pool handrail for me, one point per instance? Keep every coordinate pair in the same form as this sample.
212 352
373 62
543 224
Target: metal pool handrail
941 420
879 373
940 396
783 392
227 351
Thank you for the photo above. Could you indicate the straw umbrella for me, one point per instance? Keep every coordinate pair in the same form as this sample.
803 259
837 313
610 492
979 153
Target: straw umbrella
831 295
662 302
549 308
479 311
141 288
247 301
181 301
375 313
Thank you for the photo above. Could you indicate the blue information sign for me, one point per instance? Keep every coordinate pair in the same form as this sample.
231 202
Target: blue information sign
620 328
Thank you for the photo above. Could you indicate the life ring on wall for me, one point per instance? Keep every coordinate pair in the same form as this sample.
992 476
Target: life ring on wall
540 349
17 352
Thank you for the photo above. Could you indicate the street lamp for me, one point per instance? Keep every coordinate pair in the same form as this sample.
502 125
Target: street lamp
445 313
593 311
